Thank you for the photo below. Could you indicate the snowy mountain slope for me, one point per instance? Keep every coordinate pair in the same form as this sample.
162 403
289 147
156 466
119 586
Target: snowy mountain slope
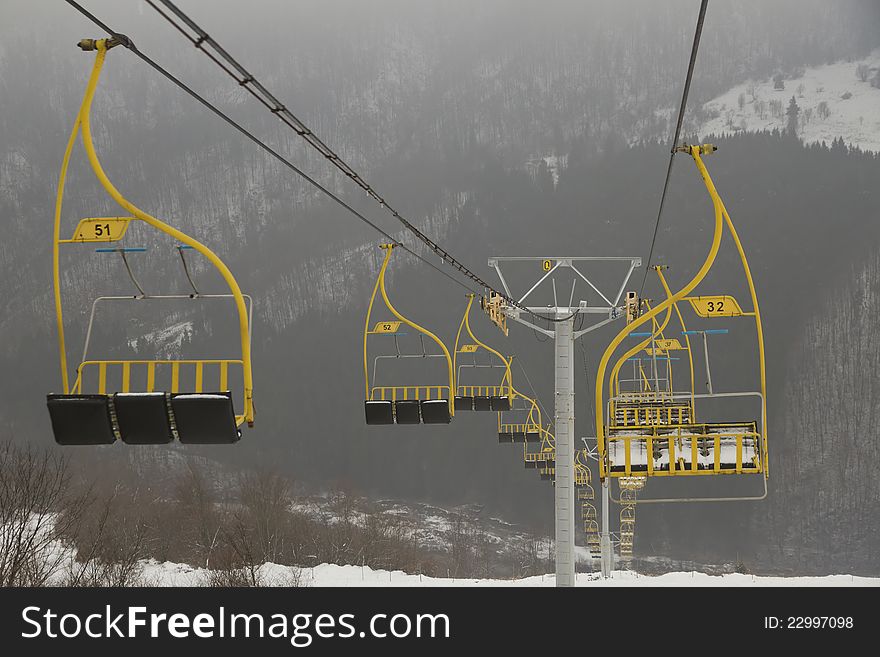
172 574
833 102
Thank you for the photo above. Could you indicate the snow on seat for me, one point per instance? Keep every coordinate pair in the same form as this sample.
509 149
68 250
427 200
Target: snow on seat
695 449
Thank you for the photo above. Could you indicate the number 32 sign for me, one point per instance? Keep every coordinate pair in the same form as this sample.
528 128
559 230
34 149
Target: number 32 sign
715 306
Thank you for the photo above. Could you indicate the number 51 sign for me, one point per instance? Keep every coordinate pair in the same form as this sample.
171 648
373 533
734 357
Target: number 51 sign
102 229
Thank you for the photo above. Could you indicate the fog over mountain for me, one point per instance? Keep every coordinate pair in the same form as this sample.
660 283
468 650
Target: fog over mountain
499 128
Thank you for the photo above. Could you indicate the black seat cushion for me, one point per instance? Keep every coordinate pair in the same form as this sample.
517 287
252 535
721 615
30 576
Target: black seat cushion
482 403
464 403
435 411
205 418
81 419
407 412
143 418
505 437
533 437
379 412
499 403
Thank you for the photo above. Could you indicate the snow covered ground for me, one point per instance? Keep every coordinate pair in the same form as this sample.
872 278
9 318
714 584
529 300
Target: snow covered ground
61 559
853 106
172 574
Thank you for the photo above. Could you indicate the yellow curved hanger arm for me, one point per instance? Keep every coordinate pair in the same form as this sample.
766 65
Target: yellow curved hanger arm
380 286
695 152
613 383
466 325
687 341
367 322
754 295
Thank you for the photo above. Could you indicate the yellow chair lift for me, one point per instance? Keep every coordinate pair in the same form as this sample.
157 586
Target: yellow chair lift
655 433
404 404
585 496
478 397
149 406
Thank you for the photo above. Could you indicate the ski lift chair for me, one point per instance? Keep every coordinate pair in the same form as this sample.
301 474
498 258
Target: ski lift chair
95 411
430 403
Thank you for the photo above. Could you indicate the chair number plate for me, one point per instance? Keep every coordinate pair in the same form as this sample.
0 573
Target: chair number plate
386 327
101 229
716 306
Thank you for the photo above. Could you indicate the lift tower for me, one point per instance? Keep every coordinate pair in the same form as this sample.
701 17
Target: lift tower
564 334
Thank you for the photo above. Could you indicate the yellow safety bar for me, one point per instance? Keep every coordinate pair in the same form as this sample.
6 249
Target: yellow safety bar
380 287
721 218
466 325
82 122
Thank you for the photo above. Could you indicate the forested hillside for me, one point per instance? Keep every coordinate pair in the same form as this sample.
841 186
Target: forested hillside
451 113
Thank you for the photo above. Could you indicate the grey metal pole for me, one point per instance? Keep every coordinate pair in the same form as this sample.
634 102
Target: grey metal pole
564 493
607 558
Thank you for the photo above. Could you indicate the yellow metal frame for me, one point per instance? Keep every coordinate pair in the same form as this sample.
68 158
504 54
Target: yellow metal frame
504 389
402 392
82 123
647 397
722 218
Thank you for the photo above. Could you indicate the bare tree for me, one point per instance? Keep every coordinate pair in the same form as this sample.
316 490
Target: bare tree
36 513
266 496
111 541
201 519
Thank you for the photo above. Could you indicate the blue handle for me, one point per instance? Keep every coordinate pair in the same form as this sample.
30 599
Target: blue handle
184 246
707 332
131 249
640 335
